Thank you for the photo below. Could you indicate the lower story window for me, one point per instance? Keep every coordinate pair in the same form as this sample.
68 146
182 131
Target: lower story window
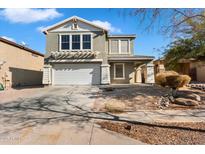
119 71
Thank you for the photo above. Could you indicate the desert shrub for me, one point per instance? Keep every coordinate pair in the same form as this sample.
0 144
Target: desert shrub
172 80
161 78
114 106
185 79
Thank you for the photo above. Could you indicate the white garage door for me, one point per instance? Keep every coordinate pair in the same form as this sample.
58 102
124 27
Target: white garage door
84 73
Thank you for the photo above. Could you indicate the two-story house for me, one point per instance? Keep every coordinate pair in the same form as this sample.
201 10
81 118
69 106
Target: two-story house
80 52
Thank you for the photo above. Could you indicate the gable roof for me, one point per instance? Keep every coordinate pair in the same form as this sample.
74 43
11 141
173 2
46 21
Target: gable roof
73 18
21 46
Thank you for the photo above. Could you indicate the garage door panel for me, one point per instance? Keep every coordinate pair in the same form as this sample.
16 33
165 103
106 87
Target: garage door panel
65 74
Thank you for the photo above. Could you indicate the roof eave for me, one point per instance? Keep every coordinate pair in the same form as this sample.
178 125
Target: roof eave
121 36
21 47
45 32
130 59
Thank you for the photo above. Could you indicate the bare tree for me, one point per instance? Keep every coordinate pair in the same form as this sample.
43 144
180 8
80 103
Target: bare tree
169 21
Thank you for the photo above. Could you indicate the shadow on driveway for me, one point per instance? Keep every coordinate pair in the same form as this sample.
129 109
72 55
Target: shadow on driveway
47 109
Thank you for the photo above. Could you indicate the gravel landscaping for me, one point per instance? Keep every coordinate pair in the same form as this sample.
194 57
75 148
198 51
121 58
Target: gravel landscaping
143 97
160 133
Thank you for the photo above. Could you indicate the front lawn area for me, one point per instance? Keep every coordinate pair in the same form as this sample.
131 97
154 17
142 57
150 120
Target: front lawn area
143 97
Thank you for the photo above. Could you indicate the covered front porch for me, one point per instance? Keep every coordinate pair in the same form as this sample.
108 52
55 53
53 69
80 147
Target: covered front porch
131 70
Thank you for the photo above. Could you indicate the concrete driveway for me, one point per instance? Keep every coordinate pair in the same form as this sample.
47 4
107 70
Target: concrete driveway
54 115
66 115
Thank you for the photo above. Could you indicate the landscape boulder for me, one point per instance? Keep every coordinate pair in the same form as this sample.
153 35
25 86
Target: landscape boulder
186 102
188 95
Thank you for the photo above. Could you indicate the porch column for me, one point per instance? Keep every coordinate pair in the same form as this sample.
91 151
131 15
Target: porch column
132 77
139 75
47 75
150 73
105 74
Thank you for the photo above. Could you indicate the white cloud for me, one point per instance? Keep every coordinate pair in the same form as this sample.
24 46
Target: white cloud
42 28
8 38
29 15
23 43
107 26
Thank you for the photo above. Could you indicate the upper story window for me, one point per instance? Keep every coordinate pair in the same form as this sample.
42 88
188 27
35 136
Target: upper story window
114 46
87 41
119 46
75 42
65 42
124 46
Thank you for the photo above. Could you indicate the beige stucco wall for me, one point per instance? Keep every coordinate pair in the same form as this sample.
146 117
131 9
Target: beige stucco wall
201 74
197 68
21 67
129 74
200 71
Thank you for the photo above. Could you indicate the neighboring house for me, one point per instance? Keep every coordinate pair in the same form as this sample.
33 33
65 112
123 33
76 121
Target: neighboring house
80 52
193 67
20 66
159 66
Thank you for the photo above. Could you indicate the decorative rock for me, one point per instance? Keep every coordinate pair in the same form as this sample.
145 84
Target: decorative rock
197 97
192 96
186 102
109 89
128 127
171 98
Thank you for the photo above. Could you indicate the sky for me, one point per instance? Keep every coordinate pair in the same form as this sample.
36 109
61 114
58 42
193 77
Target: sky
24 26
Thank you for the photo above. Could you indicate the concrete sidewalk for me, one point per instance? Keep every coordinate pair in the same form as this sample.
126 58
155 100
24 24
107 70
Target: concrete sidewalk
67 133
165 116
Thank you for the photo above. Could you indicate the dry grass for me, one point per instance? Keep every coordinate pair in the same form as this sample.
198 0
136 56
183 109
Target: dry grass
115 106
